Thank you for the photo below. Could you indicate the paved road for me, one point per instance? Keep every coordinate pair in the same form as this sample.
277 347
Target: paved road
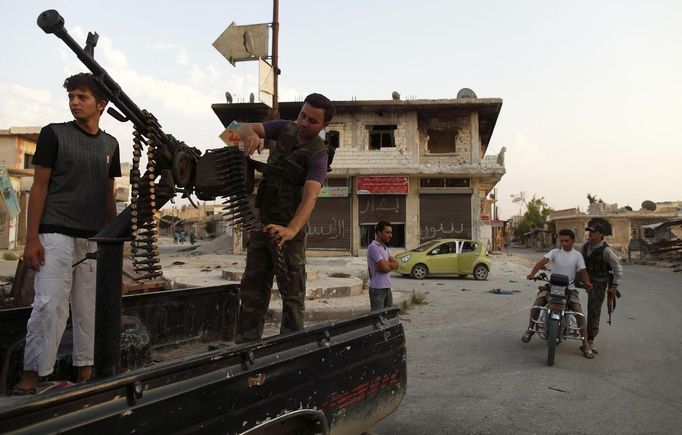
468 371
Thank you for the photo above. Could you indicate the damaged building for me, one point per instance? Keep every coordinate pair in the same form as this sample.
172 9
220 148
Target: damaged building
631 229
420 164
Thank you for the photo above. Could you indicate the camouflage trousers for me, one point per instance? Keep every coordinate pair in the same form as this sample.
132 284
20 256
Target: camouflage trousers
256 285
595 301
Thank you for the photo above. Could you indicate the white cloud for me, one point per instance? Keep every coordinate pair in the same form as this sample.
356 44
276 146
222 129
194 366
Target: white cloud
289 94
182 57
25 106
161 46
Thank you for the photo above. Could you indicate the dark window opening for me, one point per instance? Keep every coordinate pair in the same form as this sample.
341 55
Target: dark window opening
444 182
27 161
442 141
398 240
336 182
334 138
456 182
381 136
432 182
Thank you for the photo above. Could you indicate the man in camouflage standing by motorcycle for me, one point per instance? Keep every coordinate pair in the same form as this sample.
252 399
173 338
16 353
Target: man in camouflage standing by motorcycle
296 169
605 272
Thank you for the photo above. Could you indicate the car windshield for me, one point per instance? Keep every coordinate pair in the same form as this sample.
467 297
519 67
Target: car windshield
425 246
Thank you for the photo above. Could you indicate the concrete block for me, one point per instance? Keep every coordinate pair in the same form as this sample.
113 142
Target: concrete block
236 275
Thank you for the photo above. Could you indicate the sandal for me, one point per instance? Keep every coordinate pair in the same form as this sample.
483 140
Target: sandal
587 353
594 349
527 336
23 391
44 387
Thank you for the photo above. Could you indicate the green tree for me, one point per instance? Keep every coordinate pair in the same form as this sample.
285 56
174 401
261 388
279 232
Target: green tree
520 199
536 216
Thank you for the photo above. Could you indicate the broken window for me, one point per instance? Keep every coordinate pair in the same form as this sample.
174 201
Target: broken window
27 161
333 138
456 182
442 141
381 136
444 182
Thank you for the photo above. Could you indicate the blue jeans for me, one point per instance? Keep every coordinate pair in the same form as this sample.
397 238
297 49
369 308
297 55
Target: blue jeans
380 298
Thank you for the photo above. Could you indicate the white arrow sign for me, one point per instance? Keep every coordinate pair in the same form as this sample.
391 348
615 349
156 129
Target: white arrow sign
242 43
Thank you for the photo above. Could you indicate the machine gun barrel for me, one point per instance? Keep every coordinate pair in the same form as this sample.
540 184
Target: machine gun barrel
52 22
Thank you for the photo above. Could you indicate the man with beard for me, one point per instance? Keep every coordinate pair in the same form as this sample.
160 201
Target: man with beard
605 273
380 265
297 168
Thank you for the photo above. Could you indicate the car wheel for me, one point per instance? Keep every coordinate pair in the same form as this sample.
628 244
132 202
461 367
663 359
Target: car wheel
419 271
481 272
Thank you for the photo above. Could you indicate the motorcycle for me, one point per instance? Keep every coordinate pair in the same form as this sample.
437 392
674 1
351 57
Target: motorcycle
554 323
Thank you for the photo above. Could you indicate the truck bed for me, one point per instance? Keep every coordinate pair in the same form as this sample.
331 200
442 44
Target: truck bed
344 376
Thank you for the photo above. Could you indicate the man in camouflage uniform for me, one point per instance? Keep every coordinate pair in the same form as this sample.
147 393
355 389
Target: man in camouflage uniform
605 273
286 197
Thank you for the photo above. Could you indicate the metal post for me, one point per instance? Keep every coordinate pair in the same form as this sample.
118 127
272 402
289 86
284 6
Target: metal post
275 57
108 306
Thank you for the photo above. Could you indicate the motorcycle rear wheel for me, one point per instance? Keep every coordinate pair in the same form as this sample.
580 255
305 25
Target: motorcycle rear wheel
552 335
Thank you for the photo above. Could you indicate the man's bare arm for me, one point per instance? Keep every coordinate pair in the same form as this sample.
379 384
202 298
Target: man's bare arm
386 266
537 267
34 254
586 279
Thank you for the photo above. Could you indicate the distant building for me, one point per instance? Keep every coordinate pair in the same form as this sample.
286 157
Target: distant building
17 147
626 224
419 164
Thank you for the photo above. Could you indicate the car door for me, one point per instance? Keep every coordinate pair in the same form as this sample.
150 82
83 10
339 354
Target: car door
469 251
443 258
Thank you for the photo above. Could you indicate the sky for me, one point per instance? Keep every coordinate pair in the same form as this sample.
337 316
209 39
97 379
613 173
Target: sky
591 90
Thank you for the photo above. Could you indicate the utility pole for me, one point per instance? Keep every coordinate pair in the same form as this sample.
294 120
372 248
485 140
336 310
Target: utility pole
275 57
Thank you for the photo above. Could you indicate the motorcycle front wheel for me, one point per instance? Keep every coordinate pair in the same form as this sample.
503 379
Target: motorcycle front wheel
552 335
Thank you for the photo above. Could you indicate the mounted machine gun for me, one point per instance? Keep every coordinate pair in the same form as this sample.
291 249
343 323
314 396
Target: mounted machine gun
219 173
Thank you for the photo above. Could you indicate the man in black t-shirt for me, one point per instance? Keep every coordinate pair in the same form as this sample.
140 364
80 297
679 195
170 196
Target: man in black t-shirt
72 199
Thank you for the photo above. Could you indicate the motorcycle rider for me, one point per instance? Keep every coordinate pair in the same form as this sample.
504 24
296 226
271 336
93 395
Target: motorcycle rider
605 272
565 261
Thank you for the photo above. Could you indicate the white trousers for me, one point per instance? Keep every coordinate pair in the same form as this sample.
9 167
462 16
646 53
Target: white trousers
57 284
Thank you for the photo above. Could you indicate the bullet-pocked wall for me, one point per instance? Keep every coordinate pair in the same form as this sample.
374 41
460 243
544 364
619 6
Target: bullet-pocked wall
419 164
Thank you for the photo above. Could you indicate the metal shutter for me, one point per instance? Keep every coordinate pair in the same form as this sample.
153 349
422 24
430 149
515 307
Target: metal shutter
444 216
375 208
330 224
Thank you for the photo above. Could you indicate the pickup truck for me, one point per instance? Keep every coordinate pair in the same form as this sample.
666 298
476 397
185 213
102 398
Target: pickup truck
180 374
165 362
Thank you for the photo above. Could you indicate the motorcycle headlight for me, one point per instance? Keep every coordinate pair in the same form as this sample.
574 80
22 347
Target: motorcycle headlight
406 258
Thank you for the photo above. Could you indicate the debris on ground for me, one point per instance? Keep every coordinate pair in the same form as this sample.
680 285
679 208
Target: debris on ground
499 291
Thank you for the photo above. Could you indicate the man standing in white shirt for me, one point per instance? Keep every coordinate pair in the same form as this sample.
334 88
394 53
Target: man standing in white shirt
565 261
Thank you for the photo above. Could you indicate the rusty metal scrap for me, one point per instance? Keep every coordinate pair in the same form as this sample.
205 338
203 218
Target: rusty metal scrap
667 241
